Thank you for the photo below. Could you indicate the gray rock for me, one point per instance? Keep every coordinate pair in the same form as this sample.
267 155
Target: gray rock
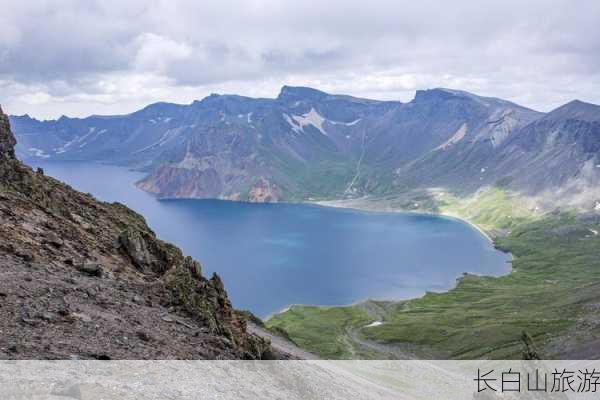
24 254
53 239
133 243
137 299
49 316
168 318
83 317
92 269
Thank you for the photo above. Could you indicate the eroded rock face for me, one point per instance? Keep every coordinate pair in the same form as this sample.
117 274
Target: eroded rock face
174 182
85 279
7 140
264 192
145 252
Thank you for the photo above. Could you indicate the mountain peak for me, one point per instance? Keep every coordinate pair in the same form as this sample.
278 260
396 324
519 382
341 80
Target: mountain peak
441 94
576 109
446 94
433 94
300 93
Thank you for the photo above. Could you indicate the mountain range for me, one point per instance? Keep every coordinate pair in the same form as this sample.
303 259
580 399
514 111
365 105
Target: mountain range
306 144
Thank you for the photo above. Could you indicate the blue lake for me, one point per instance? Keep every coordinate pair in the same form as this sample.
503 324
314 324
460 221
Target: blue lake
274 255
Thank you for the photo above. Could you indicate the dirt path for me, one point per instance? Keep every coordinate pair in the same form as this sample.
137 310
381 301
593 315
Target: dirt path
281 344
390 351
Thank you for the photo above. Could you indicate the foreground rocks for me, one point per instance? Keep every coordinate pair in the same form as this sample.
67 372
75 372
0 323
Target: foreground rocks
84 279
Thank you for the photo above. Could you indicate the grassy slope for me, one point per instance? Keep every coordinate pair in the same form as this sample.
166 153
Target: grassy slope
494 210
556 275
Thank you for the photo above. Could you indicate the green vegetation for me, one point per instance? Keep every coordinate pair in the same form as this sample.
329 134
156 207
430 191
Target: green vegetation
551 294
327 177
325 328
493 209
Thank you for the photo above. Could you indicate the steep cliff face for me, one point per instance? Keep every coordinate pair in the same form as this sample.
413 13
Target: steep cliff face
84 279
263 191
7 140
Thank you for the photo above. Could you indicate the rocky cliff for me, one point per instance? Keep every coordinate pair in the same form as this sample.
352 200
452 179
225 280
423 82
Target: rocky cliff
7 140
84 279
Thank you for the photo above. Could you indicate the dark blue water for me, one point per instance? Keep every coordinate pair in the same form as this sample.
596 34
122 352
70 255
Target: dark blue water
274 255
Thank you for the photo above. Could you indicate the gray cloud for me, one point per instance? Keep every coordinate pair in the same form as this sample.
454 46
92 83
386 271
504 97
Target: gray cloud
78 58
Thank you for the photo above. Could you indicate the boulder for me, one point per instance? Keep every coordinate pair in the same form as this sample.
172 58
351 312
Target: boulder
135 245
92 269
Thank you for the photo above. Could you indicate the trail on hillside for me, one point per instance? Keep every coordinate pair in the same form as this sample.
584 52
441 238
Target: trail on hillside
281 344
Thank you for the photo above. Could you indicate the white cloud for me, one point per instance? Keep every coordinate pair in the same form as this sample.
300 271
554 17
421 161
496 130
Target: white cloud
155 53
36 98
108 56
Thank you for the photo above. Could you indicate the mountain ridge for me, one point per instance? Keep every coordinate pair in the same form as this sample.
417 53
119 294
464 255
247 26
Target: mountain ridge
306 143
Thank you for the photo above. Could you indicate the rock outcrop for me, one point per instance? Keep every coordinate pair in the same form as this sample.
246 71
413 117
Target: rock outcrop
264 192
7 140
85 279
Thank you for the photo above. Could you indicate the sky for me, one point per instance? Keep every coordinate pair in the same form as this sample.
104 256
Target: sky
77 58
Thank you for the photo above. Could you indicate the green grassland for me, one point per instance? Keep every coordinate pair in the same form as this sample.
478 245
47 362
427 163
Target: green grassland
494 210
552 293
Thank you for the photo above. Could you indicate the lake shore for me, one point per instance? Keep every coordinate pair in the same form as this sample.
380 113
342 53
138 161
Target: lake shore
367 204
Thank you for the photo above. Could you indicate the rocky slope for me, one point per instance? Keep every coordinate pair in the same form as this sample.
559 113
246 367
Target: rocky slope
555 153
84 279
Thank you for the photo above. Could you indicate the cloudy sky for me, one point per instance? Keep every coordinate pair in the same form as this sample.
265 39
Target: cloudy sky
112 57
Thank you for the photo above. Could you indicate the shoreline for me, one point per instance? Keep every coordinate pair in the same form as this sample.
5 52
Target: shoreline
353 205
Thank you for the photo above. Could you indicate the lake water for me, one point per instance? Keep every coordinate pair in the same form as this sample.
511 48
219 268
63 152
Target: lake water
274 255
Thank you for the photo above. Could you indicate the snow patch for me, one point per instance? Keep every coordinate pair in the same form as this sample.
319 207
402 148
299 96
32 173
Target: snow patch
295 127
345 123
372 324
311 118
82 140
165 138
63 148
